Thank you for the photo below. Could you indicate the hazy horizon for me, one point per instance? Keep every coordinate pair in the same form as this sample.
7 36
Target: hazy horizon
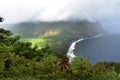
104 11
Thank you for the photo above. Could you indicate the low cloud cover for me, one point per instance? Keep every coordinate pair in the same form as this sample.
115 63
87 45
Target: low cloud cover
105 11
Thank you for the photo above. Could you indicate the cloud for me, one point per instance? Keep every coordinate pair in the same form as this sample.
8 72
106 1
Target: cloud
16 11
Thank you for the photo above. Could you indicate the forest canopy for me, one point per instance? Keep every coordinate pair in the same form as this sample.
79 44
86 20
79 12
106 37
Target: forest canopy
20 61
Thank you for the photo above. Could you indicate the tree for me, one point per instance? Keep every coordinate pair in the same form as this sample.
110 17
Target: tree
1 19
81 68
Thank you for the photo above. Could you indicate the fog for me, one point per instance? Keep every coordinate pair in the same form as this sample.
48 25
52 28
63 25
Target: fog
105 11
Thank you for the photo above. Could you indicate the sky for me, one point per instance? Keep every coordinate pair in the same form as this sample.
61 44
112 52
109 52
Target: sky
107 12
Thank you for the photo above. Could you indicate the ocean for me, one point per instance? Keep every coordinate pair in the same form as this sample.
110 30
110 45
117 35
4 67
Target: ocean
97 49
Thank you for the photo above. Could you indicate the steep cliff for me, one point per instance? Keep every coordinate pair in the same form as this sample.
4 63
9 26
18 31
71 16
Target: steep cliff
58 34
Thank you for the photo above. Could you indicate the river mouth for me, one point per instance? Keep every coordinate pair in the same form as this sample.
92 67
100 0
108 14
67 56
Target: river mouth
104 48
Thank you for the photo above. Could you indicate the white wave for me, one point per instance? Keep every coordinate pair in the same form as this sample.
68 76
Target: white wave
70 53
97 36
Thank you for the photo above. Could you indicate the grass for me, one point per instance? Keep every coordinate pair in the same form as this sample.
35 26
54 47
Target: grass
55 42
40 42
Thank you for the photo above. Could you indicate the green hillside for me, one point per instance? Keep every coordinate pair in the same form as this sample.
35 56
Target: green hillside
19 61
58 35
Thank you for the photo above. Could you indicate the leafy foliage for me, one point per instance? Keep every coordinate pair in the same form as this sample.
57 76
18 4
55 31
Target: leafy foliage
20 61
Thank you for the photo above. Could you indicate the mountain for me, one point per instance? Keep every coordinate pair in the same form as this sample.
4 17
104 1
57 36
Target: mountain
58 34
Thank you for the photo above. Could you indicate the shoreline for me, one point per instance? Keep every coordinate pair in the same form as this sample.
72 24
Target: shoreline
70 53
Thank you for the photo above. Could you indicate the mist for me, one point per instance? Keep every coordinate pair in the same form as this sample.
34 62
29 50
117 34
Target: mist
104 11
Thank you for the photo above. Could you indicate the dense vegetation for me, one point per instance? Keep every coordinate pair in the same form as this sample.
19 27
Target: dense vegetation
57 34
20 61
